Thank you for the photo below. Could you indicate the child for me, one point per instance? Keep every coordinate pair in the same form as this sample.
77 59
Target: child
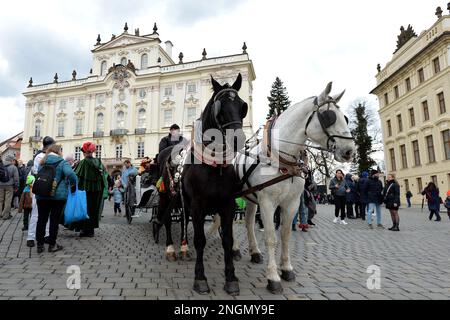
447 203
26 202
117 194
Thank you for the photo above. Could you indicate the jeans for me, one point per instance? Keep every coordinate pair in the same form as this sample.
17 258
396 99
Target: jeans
117 207
408 200
374 207
339 205
303 212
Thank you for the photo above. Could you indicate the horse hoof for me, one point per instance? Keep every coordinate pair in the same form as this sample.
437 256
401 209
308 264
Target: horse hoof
274 287
201 287
256 258
171 257
237 255
185 256
232 288
288 275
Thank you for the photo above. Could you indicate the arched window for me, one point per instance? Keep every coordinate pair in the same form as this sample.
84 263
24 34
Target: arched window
141 119
120 120
144 61
103 68
100 122
37 128
123 61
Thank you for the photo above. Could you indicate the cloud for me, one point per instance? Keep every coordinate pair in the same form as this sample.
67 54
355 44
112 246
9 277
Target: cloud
13 116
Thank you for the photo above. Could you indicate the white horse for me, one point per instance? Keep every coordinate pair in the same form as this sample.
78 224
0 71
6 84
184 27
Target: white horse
317 119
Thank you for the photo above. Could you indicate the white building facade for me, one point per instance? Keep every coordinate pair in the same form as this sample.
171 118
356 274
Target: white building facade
134 92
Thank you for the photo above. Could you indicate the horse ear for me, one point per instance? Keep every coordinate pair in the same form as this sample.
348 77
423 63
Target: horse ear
324 95
216 86
238 83
338 97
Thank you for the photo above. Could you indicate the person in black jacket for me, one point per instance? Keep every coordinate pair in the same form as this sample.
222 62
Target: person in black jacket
374 190
391 194
360 186
172 139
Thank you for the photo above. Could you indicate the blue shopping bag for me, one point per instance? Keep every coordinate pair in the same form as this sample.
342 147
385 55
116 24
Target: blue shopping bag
76 207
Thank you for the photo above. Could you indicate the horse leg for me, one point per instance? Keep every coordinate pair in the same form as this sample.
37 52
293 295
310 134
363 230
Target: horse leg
267 208
236 247
231 282
170 250
255 253
185 254
287 214
200 282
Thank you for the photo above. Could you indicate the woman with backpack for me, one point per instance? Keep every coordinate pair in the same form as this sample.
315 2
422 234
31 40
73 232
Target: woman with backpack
51 190
434 202
391 195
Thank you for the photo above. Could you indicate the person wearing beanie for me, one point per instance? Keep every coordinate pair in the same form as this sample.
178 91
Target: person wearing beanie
374 190
26 202
172 139
362 195
9 187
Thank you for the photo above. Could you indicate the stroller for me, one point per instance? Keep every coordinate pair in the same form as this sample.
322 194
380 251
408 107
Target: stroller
140 196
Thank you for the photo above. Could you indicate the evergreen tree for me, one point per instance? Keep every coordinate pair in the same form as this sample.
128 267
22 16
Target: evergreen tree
363 140
278 100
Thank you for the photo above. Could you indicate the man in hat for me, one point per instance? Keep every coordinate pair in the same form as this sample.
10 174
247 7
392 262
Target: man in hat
8 188
46 142
172 139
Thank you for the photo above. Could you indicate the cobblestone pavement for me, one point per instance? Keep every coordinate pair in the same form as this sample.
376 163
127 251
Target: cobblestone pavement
330 261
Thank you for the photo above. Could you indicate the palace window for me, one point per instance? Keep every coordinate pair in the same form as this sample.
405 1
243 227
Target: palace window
192 88
142 93
77 154
141 119
98 151
62 104
412 118
123 61
140 150
396 92
404 158
100 98
103 68
389 128
100 122
79 126
406 185
392 156
191 114
408 84
37 128
430 148
419 185
416 152
120 120
60 128
400 123
434 180
436 65
426 113
386 99
168 118
168 91
441 100
446 140
421 75
144 61
119 151
80 103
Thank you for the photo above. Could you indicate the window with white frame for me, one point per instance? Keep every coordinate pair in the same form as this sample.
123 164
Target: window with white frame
80 103
78 126
63 104
100 98
119 151
192 88
100 122
167 117
123 61
144 61
167 91
120 119
77 154
39 106
140 150
142 93
98 151
60 128
141 118
37 128
103 68
191 115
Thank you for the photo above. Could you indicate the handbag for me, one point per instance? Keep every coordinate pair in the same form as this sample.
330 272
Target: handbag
76 206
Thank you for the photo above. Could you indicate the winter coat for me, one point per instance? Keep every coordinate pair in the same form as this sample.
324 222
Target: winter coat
350 196
13 175
361 190
167 141
409 194
392 197
338 187
433 199
26 200
117 194
374 190
447 203
63 174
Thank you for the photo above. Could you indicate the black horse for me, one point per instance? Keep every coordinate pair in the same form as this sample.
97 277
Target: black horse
210 188
169 202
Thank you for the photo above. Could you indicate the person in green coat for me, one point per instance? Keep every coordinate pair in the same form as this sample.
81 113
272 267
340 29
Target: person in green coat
91 178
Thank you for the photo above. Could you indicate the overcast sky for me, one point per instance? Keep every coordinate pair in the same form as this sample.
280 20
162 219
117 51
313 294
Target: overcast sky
305 43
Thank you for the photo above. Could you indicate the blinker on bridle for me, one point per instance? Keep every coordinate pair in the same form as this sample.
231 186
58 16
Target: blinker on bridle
218 107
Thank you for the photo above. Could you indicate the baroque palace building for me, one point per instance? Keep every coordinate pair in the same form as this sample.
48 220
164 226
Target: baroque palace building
413 90
134 92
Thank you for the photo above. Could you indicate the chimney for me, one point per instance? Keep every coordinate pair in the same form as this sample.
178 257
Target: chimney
169 46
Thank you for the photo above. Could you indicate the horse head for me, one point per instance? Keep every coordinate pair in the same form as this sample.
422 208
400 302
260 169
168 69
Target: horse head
328 126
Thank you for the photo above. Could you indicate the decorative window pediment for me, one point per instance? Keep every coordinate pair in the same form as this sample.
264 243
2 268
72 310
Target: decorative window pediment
38 115
191 100
79 113
61 115
141 104
120 106
168 103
